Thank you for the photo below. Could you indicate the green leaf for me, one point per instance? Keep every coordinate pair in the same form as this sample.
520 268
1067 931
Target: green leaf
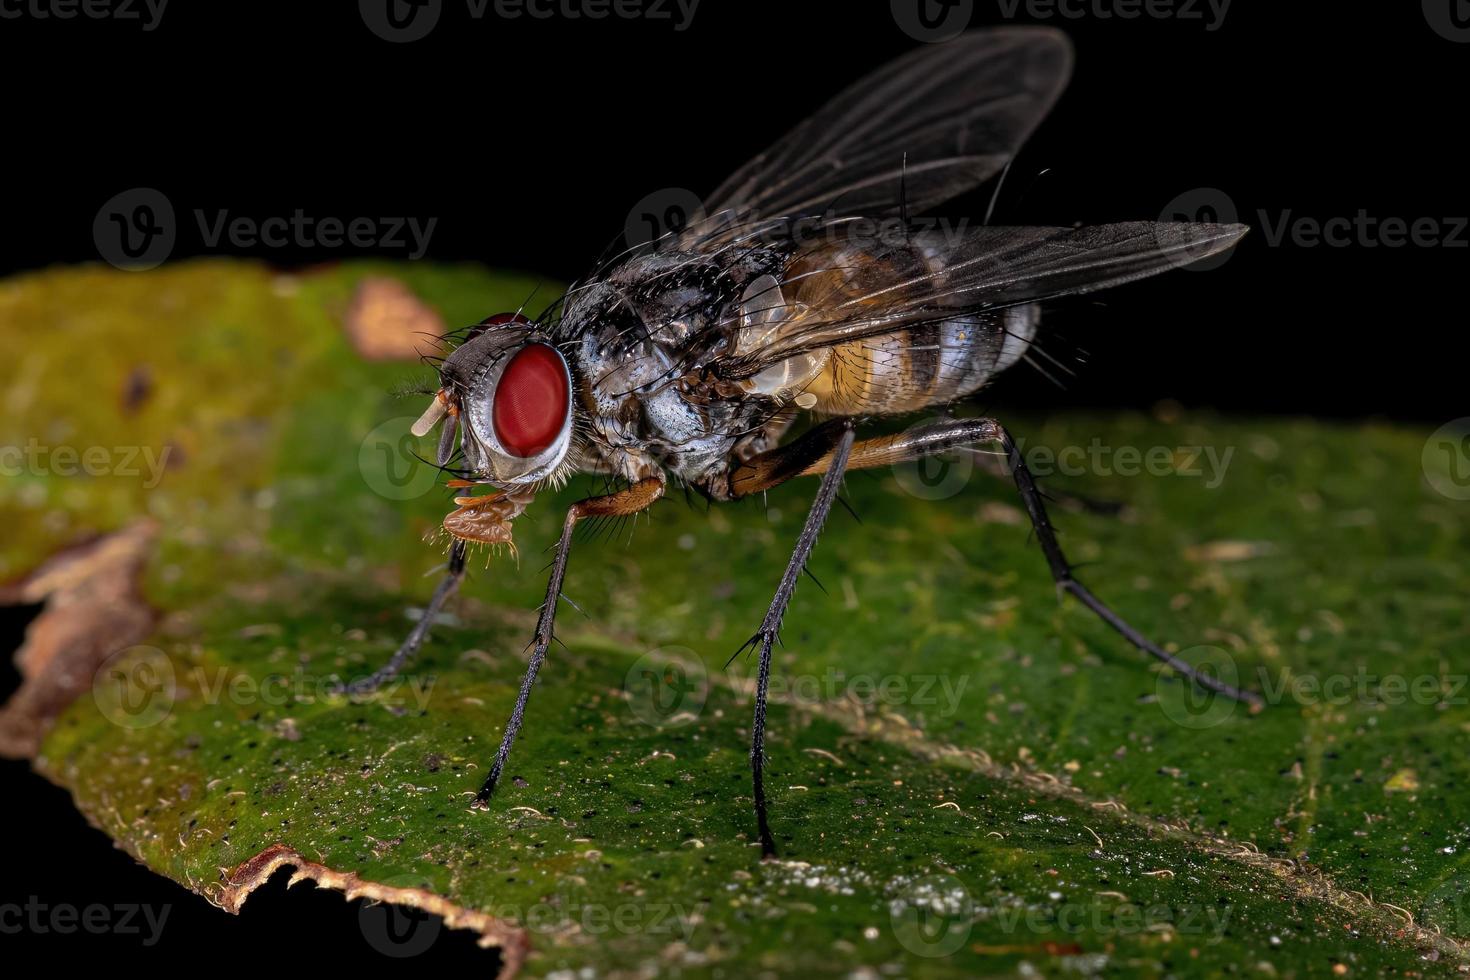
968 776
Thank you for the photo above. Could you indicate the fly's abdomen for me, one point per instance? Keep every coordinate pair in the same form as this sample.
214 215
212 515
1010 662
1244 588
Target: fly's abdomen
926 363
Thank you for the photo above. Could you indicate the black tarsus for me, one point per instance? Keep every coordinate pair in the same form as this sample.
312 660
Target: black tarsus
771 626
420 631
542 640
1061 572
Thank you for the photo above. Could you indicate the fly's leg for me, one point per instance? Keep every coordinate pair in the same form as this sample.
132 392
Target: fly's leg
778 465
420 631
805 455
441 594
929 440
481 520
640 496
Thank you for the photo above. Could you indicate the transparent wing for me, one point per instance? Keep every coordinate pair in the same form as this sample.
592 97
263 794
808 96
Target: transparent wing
942 119
866 289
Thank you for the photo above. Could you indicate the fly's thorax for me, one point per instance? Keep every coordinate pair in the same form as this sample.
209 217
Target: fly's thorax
637 417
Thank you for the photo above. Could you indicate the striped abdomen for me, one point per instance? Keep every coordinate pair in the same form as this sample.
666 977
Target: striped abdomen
931 362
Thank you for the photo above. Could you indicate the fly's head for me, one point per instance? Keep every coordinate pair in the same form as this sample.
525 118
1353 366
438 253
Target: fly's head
507 391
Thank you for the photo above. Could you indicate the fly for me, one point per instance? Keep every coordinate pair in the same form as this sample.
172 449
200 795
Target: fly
687 360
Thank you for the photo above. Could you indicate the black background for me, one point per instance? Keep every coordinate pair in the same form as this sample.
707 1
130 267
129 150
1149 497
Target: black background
530 140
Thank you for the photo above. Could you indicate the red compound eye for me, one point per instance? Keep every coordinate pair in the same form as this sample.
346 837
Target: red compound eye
530 401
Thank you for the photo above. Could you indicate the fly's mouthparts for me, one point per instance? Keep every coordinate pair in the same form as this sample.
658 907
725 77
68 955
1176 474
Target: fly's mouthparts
438 408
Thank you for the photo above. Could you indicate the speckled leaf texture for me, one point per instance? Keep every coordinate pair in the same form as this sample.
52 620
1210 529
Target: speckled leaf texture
969 776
